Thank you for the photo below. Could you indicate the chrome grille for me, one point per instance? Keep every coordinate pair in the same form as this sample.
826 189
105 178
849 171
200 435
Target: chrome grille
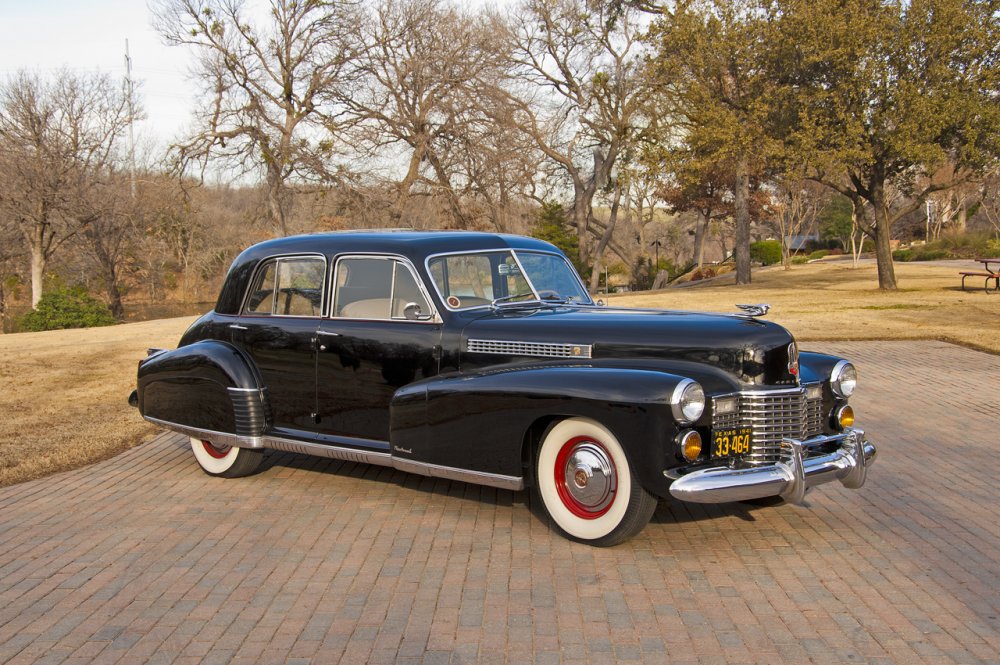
774 415
543 349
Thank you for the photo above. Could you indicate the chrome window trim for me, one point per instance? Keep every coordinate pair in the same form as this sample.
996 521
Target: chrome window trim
444 300
276 259
332 304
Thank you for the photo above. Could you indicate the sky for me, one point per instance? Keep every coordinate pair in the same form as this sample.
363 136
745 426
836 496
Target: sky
43 36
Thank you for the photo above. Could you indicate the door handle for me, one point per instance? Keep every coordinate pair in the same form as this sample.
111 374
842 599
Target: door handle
236 326
327 333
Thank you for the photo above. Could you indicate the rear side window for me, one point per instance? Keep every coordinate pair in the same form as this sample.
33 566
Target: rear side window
376 288
288 287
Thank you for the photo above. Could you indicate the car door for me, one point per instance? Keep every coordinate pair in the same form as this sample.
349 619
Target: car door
382 334
277 328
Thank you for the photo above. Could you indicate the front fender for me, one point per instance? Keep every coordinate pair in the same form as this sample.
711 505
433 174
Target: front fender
208 385
483 421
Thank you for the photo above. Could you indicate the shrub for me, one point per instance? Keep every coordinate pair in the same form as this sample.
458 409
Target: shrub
703 272
766 252
799 260
818 254
925 253
67 308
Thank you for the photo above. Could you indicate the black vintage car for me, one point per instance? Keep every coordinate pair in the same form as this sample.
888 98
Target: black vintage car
482 358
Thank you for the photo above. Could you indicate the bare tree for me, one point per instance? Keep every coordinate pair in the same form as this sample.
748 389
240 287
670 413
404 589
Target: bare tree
423 69
57 139
266 88
795 206
580 95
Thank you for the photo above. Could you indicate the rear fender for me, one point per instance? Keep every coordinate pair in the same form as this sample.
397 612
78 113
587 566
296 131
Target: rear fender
208 385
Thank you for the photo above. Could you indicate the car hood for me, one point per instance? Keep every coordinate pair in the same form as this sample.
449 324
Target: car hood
754 351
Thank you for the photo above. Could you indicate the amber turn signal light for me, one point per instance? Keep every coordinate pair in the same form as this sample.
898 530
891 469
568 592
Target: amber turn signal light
843 417
690 444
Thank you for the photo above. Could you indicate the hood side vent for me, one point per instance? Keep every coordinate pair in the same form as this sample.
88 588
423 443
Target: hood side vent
540 349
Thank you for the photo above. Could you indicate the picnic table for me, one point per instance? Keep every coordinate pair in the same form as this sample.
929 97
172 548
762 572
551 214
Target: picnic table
990 273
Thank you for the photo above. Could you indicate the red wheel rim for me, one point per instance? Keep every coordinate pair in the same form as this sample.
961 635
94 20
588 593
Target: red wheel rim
216 452
572 503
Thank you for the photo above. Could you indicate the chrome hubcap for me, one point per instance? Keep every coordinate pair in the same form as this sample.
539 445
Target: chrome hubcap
590 477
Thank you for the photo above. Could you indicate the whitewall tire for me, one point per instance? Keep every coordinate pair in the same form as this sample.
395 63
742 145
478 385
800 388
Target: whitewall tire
587 486
225 461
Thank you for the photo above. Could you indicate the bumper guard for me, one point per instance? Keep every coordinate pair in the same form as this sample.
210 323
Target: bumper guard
789 478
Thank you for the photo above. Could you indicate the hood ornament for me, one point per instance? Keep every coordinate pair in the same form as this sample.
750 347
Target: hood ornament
754 310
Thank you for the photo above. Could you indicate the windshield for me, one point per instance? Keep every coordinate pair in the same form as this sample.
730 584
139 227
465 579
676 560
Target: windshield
478 279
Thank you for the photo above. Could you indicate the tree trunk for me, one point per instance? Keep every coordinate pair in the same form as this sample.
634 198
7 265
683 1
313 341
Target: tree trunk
742 214
700 231
3 308
883 251
581 219
595 271
37 269
275 196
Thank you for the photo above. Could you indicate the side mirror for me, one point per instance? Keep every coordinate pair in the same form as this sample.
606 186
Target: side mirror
412 312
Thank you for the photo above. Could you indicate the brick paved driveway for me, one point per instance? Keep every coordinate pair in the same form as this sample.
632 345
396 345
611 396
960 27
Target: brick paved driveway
145 558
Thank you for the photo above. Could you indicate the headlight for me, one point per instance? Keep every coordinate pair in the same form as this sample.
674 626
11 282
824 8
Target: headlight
688 401
844 379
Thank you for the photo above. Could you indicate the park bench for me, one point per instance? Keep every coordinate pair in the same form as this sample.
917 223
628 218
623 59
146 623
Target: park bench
981 273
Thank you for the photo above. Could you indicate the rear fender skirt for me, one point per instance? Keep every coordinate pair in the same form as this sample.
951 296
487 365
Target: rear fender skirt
210 386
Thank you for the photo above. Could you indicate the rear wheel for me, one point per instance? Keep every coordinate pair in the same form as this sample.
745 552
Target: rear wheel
587 486
225 461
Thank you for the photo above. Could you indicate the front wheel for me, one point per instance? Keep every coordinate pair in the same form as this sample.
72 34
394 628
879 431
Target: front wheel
225 461
587 486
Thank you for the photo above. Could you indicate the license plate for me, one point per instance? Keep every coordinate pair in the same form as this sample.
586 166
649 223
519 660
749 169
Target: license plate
729 442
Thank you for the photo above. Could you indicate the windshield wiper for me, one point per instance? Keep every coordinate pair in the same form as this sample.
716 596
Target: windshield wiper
508 298
547 299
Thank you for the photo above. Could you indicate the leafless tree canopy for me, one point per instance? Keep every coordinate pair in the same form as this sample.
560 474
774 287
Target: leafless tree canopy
632 132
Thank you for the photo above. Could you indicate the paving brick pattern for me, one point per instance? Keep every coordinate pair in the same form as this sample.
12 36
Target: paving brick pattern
143 558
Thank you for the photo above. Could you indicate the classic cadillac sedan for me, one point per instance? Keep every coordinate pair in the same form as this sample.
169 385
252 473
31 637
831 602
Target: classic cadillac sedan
482 358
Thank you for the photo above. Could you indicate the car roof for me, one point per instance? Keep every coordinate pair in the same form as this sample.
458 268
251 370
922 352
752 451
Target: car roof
414 245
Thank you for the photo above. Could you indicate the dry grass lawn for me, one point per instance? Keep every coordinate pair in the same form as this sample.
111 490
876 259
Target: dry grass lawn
63 393
832 300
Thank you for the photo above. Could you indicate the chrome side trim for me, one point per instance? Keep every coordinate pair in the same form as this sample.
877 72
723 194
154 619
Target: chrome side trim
522 348
329 452
221 438
514 483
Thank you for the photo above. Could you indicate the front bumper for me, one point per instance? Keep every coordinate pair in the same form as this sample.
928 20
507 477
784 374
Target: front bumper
789 478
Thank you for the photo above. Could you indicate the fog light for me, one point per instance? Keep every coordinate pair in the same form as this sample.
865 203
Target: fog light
690 444
843 417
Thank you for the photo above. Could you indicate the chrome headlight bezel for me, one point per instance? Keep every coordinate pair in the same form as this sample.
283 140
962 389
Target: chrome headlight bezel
688 401
844 379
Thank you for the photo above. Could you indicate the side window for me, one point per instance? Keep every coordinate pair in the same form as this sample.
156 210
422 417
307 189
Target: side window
405 292
464 280
261 299
375 288
300 287
288 287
